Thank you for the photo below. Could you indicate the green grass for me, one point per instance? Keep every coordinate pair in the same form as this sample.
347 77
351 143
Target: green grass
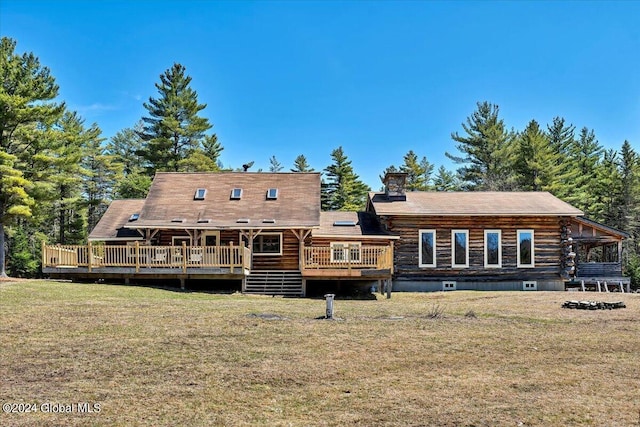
160 357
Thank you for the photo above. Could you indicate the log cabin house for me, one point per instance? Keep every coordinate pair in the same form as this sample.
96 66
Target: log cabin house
493 240
261 231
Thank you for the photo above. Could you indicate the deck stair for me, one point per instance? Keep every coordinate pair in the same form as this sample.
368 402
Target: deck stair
274 282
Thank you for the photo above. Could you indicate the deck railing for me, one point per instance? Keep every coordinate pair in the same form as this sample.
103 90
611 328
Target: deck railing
354 257
141 256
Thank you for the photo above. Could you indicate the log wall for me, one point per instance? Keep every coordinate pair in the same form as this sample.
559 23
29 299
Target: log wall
546 246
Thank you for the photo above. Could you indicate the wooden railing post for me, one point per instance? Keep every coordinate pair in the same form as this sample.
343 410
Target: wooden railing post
231 256
44 255
89 255
137 257
184 257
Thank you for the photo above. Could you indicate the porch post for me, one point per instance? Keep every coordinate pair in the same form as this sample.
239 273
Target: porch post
137 257
44 254
89 254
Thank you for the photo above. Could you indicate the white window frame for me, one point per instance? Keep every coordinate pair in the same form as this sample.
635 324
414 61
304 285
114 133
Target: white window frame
533 252
486 249
453 249
259 236
434 260
529 285
345 248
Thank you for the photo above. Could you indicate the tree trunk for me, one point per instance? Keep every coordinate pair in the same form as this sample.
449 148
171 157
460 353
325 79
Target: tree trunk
2 272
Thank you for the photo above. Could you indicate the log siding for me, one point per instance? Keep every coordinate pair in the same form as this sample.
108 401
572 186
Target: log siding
547 251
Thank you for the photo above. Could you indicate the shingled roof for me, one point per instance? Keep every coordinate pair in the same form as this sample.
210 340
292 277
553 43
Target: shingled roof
111 225
171 202
474 203
350 225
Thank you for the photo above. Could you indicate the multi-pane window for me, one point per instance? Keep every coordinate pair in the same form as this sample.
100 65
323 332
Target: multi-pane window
492 249
268 244
460 248
526 252
427 248
345 252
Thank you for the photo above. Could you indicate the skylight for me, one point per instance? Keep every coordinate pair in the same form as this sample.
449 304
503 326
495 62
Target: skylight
236 194
134 217
272 194
200 194
344 224
204 221
242 220
177 220
269 221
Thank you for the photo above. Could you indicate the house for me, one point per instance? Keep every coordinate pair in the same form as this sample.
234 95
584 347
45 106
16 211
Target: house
262 231
492 240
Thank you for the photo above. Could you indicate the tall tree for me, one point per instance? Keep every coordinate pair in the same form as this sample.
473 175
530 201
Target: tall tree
537 165
14 200
27 91
126 147
173 130
561 138
300 164
487 151
585 154
629 167
342 189
418 172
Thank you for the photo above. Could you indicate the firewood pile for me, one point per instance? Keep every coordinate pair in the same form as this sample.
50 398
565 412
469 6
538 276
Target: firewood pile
593 305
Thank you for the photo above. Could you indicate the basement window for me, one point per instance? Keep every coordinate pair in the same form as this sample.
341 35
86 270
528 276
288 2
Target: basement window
272 194
134 217
236 194
448 286
200 194
530 286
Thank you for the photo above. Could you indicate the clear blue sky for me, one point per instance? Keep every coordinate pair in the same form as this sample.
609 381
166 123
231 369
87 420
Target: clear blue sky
377 78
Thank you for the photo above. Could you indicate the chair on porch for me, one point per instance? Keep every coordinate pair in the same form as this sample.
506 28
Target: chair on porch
195 255
160 256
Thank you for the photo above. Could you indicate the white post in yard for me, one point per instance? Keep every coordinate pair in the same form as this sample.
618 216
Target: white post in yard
329 298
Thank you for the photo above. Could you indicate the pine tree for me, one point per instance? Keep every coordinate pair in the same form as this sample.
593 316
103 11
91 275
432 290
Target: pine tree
488 153
446 180
629 167
342 189
606 193
27 90
174 130
537 163
418 172
274 165
125 147
585 153
561 138
300 164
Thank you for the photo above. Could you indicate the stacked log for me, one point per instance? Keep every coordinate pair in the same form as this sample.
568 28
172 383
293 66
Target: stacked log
593 305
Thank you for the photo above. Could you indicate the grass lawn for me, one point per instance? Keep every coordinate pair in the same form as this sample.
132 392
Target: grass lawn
160 357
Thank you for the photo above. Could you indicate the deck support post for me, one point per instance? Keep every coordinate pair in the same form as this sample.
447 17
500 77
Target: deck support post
389 286
621 288
599 288
244 284
582 285
628 286
304 287
182 280
606 287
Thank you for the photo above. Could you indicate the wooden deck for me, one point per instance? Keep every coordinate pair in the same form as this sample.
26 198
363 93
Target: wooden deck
365 262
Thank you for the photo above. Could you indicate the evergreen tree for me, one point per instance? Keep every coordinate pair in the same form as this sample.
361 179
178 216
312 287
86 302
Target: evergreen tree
585 153
487 151
537 163
174 130
561 138
14 200
606 192
418 172
629 167
446 180
343 189
274 165
135 186
300 164
27 90
125 147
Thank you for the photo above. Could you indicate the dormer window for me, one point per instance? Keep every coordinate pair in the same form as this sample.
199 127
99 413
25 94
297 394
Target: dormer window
272 194
236 194
134 217
200 194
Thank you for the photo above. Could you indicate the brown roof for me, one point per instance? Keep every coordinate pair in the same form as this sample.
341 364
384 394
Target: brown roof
338 224
110 226
474 203
171 197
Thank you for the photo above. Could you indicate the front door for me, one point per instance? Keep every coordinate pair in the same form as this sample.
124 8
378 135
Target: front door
211 238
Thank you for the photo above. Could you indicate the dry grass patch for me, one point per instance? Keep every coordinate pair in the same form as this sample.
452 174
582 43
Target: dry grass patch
159 357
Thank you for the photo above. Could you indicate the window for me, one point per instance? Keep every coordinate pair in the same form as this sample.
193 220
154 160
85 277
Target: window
459 248
345 252
530 286
492 249
236 194
272 194
448 286
526 253
268 244
177 240
134 217
427 248
344 223
200 194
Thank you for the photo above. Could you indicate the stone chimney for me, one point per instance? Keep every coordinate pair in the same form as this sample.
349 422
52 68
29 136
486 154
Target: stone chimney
394 183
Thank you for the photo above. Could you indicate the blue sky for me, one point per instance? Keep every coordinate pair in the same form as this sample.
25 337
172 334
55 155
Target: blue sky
377 78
